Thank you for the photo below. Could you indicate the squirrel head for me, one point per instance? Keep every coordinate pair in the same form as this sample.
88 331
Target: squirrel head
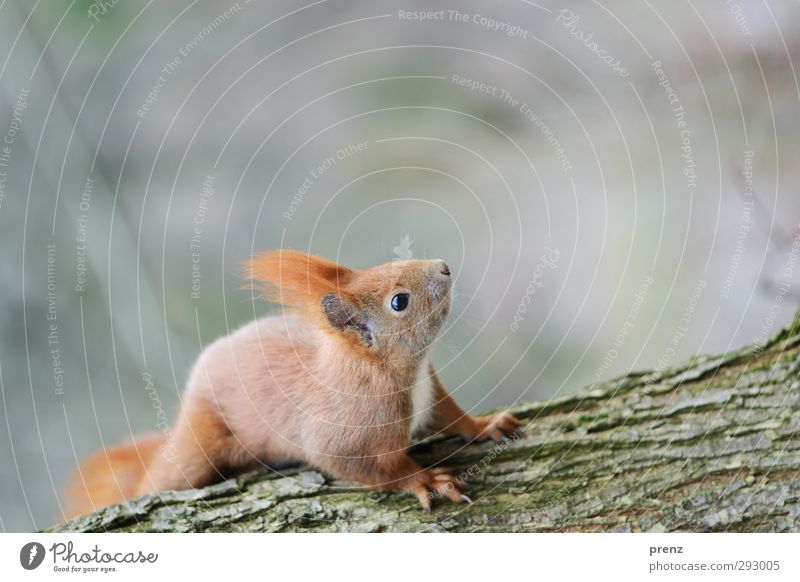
391 312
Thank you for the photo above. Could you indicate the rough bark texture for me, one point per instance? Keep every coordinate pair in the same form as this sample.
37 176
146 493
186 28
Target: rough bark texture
710 446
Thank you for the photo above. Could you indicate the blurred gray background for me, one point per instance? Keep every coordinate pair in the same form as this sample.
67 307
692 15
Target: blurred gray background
614 185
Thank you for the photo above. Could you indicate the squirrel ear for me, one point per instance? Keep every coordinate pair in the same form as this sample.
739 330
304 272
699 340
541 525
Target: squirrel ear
294 278
342 315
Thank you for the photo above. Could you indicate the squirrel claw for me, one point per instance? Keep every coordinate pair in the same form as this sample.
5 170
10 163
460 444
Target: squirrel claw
436 482
498 427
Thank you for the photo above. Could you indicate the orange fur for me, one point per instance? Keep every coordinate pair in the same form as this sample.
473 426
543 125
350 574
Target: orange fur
339 385
110 475
292 278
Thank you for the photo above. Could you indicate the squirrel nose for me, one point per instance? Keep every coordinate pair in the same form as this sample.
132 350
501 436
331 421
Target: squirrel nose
444 269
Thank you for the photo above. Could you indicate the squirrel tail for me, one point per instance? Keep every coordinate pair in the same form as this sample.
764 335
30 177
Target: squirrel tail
110 475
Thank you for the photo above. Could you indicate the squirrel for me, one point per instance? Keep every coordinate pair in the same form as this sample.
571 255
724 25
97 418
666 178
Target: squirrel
341 380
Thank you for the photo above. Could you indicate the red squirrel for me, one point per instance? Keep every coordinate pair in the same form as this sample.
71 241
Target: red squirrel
339 381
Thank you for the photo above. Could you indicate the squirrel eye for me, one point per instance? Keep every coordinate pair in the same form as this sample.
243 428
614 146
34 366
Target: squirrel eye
400 301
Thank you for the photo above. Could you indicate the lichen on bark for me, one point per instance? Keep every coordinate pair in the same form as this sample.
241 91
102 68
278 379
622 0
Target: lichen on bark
712 445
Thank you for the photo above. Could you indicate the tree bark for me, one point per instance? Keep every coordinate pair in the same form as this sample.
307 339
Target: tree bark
710 446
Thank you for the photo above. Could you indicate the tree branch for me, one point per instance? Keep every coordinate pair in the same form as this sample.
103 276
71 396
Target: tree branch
710 446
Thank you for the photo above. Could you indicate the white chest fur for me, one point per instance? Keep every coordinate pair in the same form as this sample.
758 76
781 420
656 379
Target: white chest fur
422 398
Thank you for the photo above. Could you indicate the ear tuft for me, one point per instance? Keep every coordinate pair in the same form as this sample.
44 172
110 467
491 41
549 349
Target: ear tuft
293 278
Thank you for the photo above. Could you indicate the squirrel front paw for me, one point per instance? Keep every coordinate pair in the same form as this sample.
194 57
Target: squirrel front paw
436 482
498 427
